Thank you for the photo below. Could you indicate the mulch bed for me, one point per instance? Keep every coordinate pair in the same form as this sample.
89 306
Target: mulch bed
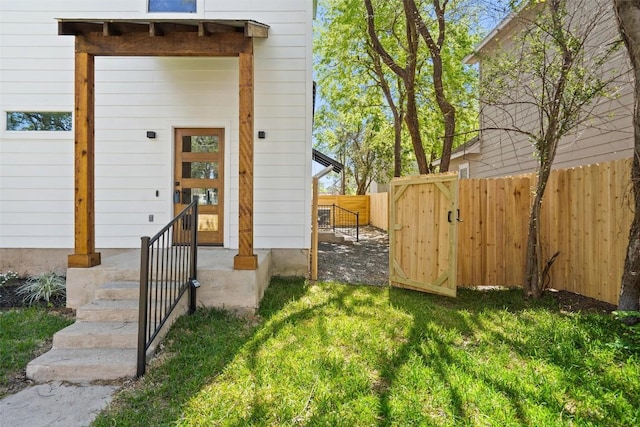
9 297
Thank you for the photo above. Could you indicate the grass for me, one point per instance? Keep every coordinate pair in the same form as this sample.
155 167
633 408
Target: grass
339 355
22 333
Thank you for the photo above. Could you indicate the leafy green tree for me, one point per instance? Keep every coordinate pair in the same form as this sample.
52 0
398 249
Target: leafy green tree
356 93
555 72
445 27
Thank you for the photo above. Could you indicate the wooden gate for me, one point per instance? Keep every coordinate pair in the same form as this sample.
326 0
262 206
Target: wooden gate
423 233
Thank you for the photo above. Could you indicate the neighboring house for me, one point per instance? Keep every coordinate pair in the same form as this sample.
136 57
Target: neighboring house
499 153
159 103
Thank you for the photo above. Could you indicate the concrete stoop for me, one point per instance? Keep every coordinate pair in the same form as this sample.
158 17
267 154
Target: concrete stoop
100 345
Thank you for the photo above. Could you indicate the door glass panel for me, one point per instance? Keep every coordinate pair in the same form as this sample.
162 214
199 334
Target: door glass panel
200 170
207 222
207 196
200 144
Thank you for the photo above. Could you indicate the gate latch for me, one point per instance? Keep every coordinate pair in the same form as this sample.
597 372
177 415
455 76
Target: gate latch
457 215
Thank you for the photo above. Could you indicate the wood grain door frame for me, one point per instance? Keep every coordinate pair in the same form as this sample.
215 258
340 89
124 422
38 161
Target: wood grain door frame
212 203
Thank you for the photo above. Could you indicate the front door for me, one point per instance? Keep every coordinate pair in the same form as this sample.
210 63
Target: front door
199 171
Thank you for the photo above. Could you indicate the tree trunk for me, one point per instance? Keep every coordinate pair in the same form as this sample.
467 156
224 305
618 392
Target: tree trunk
628 13
397 147
447 109
408 75
413 125
533 286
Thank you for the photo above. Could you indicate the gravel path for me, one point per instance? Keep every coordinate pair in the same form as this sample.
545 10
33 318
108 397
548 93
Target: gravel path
365 261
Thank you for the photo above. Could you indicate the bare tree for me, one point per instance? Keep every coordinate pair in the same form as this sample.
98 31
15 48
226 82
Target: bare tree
628 14
555 73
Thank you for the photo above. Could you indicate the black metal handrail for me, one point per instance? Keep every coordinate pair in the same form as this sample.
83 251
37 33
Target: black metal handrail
168 264
340 220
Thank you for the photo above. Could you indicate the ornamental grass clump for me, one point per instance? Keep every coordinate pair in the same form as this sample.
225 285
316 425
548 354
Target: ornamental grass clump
42 287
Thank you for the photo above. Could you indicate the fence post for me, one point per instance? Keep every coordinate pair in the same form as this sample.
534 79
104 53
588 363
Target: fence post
142 305
333 216
357 226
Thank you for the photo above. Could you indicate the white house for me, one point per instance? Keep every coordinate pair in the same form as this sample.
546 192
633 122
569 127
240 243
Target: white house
130 81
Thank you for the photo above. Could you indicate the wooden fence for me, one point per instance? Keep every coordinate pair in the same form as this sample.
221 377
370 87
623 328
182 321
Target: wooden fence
359 204
586 216
379 210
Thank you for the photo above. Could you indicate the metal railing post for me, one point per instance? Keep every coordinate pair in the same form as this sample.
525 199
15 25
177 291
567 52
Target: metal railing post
194 258
166 276
357 226
142 305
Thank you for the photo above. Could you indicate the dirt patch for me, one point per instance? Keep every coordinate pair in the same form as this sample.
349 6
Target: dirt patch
573 302
365 261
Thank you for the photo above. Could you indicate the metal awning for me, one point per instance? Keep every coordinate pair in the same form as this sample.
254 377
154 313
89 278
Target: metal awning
325 160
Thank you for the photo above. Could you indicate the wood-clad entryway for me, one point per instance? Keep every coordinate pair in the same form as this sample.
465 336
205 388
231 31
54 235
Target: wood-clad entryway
423 233
159 37
199 171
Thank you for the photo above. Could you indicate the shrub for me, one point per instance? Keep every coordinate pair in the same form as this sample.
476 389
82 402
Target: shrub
42 287
7 277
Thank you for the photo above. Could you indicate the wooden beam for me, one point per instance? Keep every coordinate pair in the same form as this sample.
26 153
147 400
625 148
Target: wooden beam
255 29
246 259
84 217
108 29
155 30
72 28
314 229
171 44
208 28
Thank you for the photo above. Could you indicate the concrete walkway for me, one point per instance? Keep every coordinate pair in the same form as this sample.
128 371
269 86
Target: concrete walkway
55 404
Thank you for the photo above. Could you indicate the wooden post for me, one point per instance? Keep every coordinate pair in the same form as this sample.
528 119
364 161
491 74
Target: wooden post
314 230
246 259
85 255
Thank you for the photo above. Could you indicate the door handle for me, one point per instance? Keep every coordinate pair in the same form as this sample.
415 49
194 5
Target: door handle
176 197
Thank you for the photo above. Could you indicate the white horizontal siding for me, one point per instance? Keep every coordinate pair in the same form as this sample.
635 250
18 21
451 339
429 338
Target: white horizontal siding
134 95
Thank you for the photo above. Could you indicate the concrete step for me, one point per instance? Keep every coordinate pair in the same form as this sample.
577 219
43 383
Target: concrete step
100 310
118 290
82 365
97 335
330 237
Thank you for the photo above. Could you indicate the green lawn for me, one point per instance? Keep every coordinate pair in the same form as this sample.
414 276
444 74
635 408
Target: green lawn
22 333
341 355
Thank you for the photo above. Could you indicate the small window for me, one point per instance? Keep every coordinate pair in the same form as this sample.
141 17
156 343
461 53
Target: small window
463 171
39 121
184 6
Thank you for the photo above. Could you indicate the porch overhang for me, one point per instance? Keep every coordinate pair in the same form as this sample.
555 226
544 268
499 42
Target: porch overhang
157 37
